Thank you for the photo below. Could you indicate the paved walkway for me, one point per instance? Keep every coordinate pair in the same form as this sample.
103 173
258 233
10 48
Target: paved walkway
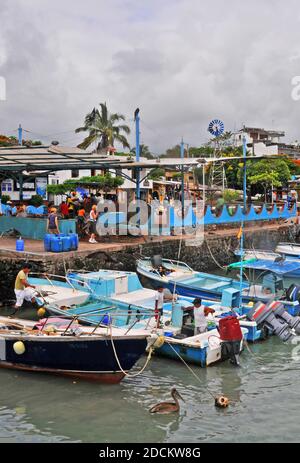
115 243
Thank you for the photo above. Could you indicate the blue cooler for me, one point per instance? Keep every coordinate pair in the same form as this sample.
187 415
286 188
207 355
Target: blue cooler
66 243
56 243
20 244
47 242
74 241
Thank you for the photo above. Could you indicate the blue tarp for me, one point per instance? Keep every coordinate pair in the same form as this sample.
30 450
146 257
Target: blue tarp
280 268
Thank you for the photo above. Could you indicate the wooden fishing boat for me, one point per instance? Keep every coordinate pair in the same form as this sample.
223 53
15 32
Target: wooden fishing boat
81 354
182 279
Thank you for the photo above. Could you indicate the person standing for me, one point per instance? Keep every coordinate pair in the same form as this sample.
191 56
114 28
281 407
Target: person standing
24 290
200 319
52 224
64 209
92 222
200 316
159 304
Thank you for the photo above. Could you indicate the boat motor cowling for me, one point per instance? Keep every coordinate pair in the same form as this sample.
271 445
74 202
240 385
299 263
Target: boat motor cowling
231 336
264 316
293 293
293 322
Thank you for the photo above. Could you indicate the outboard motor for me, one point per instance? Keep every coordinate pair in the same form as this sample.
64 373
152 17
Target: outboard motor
264 316
293 293
293 322
231 336
156 261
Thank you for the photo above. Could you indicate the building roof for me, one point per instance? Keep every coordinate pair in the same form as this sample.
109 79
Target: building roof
56 158
270 133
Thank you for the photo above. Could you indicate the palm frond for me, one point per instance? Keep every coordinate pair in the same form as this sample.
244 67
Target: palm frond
123 140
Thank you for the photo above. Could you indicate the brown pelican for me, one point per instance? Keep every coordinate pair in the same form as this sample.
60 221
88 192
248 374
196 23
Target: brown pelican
168 407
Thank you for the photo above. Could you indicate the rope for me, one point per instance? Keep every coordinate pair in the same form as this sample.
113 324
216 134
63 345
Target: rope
252 353
178 257
191 370
213 258
118 361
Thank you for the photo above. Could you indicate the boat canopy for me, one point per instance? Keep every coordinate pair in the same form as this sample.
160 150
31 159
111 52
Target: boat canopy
281 268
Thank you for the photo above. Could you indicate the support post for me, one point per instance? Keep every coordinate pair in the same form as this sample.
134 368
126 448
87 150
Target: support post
137 169
245 174
21 187
20 135
242 223
182 184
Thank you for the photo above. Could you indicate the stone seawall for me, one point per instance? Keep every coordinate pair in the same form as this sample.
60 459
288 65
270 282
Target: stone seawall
217 248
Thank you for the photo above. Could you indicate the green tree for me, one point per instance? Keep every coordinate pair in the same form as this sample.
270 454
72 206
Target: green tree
104 128
266 180
201 152
36 200
156 174
172 152
258 170
144 152
5 198
100 182
231 195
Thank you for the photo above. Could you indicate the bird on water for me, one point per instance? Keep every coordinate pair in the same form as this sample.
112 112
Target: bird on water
168 407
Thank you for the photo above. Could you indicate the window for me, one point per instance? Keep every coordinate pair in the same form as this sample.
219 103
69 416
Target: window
75 173
6 186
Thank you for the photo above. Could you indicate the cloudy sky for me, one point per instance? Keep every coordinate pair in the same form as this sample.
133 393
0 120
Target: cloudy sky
182 62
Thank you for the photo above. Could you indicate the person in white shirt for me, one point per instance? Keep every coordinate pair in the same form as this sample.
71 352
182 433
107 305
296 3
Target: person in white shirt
200 316
159 304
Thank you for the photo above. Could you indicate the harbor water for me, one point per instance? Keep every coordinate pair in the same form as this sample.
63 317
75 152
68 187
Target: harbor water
264 394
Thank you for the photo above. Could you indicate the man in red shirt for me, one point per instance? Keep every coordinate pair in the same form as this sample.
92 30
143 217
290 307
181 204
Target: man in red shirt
64 209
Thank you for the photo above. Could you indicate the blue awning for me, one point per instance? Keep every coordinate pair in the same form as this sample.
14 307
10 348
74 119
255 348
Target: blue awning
281 268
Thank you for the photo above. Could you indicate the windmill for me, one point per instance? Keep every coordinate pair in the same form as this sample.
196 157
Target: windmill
217 176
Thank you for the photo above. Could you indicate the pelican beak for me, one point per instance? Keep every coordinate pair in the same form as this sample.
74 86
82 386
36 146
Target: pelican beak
179 396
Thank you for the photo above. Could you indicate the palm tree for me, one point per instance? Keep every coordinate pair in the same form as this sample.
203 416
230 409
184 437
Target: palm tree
144 152
104 129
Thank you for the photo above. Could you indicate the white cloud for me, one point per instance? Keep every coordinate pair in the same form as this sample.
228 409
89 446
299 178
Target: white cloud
182 62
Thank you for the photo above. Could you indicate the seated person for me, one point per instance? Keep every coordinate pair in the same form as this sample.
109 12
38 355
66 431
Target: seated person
163 271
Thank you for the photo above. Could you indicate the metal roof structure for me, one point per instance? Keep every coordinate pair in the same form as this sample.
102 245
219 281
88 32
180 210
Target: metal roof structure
23 160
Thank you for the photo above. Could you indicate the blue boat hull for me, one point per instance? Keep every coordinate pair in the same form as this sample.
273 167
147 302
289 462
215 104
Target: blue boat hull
87 359
189 291
189 354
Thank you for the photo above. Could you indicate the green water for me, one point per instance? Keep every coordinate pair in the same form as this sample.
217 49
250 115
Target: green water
264 394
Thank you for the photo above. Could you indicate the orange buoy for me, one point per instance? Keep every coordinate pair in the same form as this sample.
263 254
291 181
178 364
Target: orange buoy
221 401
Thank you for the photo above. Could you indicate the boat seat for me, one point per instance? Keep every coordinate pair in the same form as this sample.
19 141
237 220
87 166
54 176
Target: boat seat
217 285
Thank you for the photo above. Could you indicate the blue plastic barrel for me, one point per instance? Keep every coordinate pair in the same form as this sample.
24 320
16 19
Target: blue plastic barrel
47 242
74 241
66 243
56 244
20 244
